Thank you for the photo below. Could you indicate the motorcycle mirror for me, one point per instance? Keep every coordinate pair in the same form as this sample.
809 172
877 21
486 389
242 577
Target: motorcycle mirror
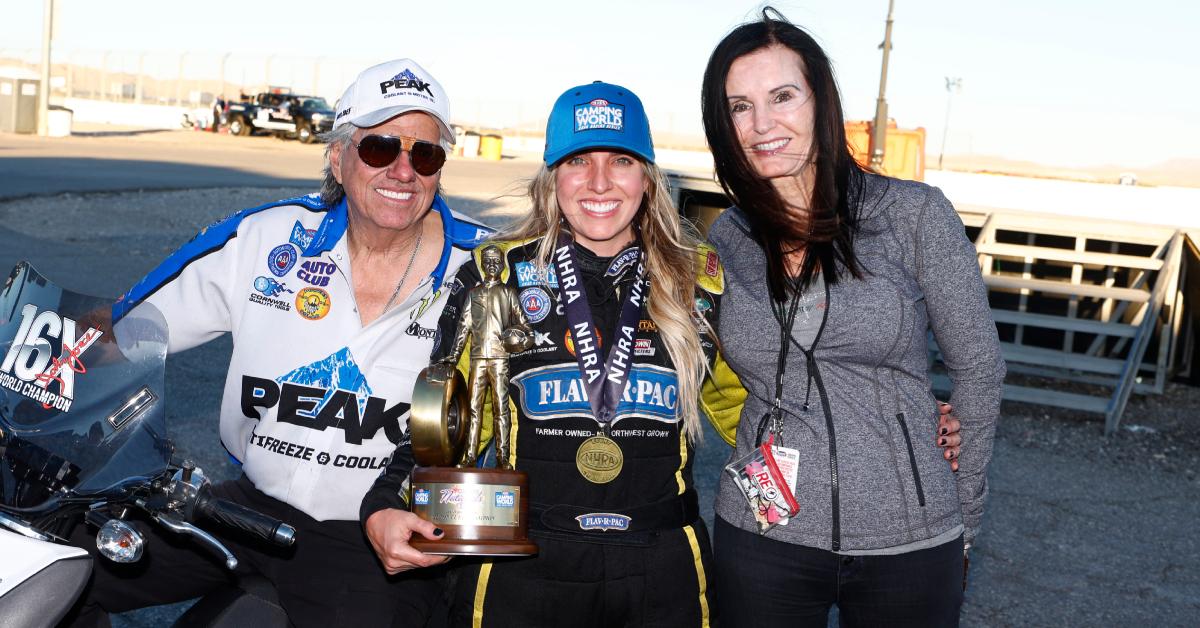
120 542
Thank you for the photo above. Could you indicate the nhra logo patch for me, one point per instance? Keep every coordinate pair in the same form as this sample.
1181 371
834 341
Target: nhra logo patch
535 303
421 497
603 521
528 275
557 391
281 259
31 367
405 80
302 237
599 114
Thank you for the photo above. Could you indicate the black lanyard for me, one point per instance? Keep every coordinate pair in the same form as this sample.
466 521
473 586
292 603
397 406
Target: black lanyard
774 417
603 395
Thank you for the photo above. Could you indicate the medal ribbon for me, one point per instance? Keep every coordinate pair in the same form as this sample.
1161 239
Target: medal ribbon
605 385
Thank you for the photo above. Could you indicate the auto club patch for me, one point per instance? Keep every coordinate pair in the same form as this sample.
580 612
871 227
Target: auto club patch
535 303
281 259
312 303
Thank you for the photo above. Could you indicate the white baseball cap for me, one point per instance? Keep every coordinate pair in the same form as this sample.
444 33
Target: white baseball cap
384 91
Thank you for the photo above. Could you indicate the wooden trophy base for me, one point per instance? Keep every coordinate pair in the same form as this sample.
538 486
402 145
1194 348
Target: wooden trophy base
482 512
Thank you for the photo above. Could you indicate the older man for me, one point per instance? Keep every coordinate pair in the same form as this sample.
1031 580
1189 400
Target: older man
332 301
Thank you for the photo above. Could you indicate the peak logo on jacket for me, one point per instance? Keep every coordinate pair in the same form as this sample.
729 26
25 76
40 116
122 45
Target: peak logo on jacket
331 393
31 366
557 391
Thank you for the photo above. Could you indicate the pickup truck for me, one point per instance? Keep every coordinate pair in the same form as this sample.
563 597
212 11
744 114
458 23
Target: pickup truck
285 115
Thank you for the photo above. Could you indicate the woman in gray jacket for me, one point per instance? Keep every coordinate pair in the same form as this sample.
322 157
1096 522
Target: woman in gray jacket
834 278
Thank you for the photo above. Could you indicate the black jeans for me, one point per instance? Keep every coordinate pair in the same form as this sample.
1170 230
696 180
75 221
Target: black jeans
764 582
330 577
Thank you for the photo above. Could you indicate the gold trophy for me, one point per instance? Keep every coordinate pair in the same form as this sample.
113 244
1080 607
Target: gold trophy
481 511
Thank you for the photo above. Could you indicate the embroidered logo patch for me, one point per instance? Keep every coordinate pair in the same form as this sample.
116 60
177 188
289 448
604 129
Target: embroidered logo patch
603 521
302 237
269 287
528 275
535 303
316 272
599 114
312 303
281 259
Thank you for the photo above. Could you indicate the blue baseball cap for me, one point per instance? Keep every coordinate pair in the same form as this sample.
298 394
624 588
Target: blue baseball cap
599 115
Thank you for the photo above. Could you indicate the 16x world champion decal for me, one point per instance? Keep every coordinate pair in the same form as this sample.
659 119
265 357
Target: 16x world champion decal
30 367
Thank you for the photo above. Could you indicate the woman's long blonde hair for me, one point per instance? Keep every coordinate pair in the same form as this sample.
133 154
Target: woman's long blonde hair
670 246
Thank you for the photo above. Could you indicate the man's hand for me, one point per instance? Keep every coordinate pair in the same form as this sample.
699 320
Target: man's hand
389 531
947 437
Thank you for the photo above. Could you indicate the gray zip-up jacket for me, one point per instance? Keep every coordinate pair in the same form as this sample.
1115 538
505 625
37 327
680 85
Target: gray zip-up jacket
871 475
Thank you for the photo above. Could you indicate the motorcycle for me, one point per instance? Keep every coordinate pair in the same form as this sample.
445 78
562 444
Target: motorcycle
84 441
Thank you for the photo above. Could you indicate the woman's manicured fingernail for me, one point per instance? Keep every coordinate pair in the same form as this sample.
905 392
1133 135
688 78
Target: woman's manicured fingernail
945 431
437 531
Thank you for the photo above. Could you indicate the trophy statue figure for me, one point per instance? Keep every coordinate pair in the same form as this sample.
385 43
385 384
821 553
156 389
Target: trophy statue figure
482 511
497 326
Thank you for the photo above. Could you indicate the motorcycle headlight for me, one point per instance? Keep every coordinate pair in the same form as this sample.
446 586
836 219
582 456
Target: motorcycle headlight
120 542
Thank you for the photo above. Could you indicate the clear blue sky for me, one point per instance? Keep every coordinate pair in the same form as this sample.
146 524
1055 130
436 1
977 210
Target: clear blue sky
1064 82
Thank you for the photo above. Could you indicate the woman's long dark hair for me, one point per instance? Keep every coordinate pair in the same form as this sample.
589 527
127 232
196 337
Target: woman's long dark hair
826 230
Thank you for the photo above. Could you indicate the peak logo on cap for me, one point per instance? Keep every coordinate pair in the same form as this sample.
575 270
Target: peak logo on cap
405 80
599 114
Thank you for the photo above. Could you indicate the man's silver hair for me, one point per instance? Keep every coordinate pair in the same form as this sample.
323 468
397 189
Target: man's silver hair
331 190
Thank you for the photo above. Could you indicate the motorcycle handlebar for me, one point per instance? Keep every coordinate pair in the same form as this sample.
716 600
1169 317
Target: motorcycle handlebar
239 517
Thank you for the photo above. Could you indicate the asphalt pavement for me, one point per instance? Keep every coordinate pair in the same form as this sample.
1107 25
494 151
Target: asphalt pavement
1070 538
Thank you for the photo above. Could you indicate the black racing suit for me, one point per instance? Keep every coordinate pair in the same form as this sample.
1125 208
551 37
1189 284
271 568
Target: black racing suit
632 551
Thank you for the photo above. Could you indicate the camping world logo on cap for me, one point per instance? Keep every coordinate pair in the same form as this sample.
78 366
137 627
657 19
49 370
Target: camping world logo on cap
599 114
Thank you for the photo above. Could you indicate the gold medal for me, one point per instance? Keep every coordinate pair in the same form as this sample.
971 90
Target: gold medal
599 459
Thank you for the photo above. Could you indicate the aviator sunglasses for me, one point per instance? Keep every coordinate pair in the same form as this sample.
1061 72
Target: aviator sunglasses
379 151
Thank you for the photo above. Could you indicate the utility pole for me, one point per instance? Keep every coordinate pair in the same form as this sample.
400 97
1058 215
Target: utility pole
879 129
952 85
43 116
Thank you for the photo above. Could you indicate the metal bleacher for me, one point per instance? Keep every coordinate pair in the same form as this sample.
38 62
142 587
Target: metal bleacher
1090 311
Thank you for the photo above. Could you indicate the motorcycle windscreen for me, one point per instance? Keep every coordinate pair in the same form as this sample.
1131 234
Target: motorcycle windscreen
81 402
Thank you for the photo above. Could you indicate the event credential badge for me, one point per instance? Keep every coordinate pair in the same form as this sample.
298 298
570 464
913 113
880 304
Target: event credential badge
765 476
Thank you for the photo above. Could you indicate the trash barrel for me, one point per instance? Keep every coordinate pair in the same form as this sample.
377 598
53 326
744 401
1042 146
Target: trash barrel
470 144
58 121
489 147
